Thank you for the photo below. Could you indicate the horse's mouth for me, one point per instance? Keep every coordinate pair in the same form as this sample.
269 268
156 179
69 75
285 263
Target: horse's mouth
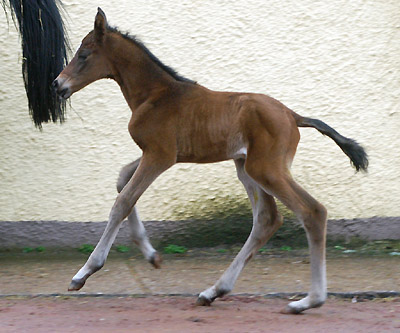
60 91
64 93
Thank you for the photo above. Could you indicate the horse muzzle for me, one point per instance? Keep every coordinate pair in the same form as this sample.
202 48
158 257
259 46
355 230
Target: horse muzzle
62 87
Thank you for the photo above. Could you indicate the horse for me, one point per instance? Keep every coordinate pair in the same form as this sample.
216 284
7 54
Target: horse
44 53
176 120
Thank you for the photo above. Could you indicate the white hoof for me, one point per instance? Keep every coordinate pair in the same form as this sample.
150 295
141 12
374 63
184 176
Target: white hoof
304 304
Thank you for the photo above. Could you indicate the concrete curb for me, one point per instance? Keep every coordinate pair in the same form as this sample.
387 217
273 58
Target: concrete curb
74 234
358 295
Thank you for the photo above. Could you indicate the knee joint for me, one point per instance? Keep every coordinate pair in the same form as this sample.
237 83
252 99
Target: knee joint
315 217
120 184
126 174
268 224
271 220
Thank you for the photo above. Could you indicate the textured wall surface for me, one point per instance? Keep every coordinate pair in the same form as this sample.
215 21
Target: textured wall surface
337 61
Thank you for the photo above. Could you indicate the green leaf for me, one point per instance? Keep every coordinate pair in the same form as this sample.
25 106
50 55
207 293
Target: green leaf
122 248
171 248
86 248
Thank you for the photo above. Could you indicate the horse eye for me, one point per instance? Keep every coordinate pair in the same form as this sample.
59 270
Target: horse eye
82 56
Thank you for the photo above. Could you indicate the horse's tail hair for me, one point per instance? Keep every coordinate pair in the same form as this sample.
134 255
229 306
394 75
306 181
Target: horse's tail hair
350 147
44 54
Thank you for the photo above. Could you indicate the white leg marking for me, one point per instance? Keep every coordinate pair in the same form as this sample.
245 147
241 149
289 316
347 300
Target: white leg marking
98 257
317 294
146 173
139 236
137 230
266 221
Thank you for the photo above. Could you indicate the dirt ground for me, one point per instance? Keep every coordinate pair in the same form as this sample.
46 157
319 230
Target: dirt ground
178 314
32 274
25 278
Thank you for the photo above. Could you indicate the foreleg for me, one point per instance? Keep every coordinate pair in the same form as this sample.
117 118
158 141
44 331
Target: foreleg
137 230
150 167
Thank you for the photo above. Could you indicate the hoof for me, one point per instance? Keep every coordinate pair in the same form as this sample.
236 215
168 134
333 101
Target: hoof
156 260
290 310
76 285
300 306
203 301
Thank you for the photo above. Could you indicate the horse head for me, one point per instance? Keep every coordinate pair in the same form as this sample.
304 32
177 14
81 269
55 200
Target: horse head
89 63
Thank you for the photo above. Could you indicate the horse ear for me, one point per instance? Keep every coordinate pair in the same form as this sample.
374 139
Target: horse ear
100 25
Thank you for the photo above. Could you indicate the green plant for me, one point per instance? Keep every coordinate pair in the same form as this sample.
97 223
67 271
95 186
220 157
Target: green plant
27 249
263 250
86 248
171 248
122 248
286 248
40 249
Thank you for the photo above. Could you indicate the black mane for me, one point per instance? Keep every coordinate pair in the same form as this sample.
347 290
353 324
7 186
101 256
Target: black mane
157 61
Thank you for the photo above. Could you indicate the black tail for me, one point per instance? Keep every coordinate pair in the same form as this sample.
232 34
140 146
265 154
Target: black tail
44 54
350 147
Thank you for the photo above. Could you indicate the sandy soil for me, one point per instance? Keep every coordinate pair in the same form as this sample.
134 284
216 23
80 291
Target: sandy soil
178 314
41 274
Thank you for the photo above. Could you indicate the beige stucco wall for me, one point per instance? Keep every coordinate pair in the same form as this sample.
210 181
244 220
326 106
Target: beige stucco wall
337 60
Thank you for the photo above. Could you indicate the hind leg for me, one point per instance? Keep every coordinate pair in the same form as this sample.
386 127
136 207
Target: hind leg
139 237
266 220
277 181
136 227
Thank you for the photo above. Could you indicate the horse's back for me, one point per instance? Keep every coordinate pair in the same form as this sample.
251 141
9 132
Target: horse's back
214 126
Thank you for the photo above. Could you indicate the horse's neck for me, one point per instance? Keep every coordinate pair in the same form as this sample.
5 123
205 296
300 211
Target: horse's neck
138 76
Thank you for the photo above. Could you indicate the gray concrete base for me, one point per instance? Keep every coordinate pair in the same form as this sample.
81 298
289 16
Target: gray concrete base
74 234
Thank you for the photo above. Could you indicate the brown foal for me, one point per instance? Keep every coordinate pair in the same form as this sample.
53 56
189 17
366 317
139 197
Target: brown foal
177 120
